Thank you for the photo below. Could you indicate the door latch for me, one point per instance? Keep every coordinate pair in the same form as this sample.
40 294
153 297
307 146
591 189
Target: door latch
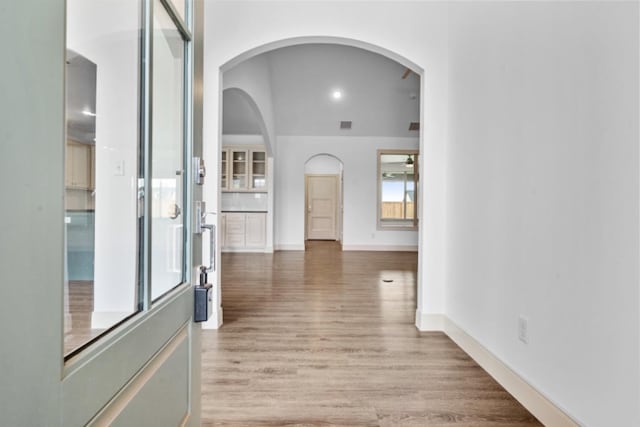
199 171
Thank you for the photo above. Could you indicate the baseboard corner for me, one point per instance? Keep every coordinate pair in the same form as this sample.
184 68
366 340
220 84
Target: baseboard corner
429 321
215 321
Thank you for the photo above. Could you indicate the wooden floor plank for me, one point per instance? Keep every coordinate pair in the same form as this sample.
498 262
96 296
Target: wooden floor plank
319 338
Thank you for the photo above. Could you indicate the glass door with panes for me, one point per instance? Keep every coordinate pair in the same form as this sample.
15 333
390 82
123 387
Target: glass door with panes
258 170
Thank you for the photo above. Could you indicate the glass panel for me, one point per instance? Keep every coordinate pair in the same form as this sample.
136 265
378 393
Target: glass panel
397 189
258 169
259 182
167 155
223 169
102 119
238 181
239 169
180 6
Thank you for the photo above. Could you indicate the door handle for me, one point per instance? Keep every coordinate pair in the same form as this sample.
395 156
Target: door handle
212 246
175 212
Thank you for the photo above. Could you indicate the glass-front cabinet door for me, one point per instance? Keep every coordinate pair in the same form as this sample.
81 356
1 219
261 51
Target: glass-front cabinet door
239 170
224 170
258 170
243 170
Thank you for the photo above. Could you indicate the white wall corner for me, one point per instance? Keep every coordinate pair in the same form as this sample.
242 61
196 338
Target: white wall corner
429 321
539 405
215 321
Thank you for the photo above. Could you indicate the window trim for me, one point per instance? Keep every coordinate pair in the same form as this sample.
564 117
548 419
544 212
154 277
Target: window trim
398 225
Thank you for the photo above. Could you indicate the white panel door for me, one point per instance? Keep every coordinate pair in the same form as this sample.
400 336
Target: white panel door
322 202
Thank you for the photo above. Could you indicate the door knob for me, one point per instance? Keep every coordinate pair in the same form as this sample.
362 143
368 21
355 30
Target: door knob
174 212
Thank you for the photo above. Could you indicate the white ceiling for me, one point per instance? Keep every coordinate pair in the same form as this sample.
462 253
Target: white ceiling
375 97
81 98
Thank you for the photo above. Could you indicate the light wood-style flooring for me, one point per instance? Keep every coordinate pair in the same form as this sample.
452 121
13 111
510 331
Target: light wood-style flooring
78 311
320 338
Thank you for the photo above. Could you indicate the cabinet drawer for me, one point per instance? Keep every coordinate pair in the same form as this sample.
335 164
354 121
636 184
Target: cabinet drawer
235 227
235 240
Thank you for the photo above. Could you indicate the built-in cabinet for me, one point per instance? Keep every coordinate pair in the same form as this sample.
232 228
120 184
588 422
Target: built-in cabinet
243 169
79 179
79 166
243 230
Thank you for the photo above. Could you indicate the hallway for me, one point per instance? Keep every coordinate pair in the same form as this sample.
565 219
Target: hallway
323 337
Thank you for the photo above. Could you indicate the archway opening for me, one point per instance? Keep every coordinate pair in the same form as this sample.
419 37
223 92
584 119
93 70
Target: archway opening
283 215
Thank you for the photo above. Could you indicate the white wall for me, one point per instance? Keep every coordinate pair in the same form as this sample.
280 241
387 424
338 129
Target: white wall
542 191
360 165
323 164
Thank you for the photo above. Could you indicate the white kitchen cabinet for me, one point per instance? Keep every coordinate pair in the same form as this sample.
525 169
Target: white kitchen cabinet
243 169
243 230
239 170
258 170
234 235
224 170
255 230
79 166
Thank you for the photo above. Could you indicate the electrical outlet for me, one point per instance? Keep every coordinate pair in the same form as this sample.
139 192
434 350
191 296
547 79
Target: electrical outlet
523 329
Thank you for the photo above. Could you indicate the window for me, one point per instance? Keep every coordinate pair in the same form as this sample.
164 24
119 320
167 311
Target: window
397 189
125 161
167 156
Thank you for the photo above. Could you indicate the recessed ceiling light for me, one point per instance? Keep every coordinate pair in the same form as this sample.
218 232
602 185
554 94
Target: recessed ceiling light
337 94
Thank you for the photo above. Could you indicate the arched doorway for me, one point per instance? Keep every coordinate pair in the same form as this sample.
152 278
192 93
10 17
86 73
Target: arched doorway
424 321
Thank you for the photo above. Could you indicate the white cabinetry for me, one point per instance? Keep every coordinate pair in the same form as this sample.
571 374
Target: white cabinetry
243 169
243 230
79 166
255 230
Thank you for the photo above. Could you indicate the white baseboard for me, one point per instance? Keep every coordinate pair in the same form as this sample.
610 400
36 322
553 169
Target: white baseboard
289 247
385 248
246 250
429 322
540 406
215 321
